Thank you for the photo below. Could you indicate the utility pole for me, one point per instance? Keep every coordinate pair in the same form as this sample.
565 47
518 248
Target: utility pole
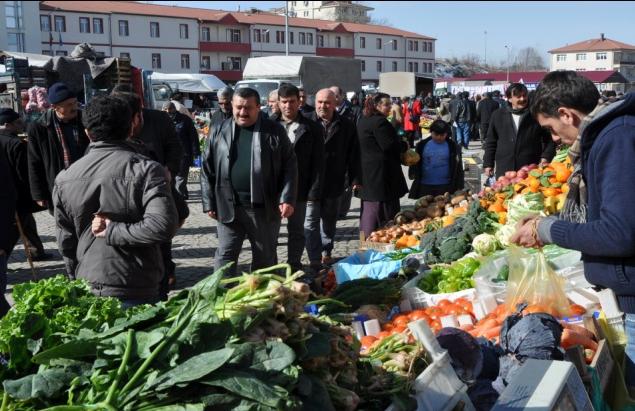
286 28
509 51
486 47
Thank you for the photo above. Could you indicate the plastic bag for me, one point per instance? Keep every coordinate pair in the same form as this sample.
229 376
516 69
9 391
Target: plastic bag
534 282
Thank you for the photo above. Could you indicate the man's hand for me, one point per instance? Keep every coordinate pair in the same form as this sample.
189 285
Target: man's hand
526 234
212 215
99 226
487 171
286 210
42 203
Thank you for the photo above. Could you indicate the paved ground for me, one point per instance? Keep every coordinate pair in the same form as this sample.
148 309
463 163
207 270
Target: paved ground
193 246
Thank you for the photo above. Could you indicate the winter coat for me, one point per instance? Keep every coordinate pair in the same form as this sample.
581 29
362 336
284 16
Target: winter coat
159 136
8 197
341 156
309 150
187 134
411 115
456 169
45 155
131 190
484 111
607 239
380 151
508 150
15 151
279 170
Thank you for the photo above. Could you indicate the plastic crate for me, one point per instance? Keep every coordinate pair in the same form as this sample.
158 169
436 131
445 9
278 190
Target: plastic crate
420 299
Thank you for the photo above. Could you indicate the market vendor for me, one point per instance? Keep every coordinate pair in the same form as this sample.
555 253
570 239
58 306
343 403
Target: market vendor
597 218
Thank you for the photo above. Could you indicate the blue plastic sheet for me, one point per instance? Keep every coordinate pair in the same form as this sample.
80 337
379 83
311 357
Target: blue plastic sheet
366 264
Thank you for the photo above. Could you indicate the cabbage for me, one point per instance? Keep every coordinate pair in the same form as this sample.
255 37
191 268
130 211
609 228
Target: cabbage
524 205
485 244
504 234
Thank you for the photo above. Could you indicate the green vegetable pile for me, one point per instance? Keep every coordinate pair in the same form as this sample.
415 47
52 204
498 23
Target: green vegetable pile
454 241
450 279
351 295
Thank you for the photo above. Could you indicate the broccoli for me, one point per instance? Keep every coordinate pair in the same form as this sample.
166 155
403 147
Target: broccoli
453 248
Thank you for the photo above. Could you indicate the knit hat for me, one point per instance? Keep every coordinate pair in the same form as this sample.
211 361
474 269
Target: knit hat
7 115
59 92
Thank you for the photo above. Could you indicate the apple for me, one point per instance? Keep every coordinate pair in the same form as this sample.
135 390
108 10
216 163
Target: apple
522 174
510 174
516 180
525 168
532 166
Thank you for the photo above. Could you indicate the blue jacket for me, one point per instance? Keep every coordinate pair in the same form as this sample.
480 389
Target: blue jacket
607 239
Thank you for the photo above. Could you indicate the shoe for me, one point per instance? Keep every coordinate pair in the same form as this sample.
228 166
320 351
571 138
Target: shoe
327 260
41 256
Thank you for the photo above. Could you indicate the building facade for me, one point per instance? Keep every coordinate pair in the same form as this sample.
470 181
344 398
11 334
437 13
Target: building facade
17 18
596 55
174 39
346 11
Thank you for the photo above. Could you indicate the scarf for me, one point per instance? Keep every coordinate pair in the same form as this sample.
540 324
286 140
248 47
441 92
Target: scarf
519 111
60 135
575 205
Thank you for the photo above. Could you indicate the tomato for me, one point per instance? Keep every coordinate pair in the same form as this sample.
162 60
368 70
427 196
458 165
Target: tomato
398 329
367 341
465 305
419 315
453 310
434 312
435 325
401 320
388 327
443 303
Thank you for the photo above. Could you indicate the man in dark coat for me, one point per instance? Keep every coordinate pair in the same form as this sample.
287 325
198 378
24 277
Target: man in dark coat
113 210
187 134
248 194
305 108
15 151
515 138
341 158
307 138
8 198
486 107
224 108
56 141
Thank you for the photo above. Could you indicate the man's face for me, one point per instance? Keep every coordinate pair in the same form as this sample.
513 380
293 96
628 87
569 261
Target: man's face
325 105
439 138
245 111
518 100
67 109
562 128
137 124
338 98
225 104
273 105
384 106
171 110
289 107
302 98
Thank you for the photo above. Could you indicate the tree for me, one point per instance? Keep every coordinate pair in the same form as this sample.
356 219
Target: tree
528 59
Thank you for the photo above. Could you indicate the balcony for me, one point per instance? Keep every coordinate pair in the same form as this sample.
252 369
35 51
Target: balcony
334 52
225 46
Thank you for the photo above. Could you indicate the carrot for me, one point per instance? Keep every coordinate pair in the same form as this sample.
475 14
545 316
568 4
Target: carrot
492 332
578 329
571 338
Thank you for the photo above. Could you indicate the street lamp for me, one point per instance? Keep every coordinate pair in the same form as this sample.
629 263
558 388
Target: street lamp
509 52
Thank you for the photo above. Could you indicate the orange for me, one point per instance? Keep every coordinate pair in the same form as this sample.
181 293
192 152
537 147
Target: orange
533 183
550 192
562 175
565 188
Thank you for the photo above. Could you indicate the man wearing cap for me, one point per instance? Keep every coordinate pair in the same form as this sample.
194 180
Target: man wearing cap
56 141
15 151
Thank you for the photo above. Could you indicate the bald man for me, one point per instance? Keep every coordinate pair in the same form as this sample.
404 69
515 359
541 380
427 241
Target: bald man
272 108
341 157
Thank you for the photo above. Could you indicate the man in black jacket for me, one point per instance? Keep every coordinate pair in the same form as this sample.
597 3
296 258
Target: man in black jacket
464 115
248 194
515 138
187 134
486 107
8 198
113 210
224 108
16 153
56 141
305 108
308 143
341 157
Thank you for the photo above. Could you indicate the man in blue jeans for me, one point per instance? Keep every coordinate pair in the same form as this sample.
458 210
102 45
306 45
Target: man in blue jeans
597 218
8 198
464 117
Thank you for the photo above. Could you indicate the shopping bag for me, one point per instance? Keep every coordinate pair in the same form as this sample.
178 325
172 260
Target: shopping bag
534 282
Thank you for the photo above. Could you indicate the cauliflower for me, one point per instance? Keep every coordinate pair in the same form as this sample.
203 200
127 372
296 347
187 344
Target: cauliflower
504 234
485 244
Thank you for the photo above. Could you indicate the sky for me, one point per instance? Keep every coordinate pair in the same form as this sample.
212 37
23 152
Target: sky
460 27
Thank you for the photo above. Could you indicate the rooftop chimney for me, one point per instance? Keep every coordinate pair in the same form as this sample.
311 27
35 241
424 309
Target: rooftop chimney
602 36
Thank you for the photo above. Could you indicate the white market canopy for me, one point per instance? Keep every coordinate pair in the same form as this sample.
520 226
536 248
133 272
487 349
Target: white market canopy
190 83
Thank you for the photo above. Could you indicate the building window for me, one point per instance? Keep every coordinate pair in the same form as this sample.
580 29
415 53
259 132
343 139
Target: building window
84 25
124 56
302 38
416 43
291 37
580 56
411 46
205 34
206 63
580 69
60 23
61 53
363 65
100 54
15 42
378 44
123 28
338 42
156 60
265 36
45 23
379 66
394 66
394 44
235 63
306 14
309 39
430 47
185 31
257 36
98 26
362 42
233 35
185 61
46 52
410 66
600 56
279 37
561 57
154 29
416 67
13 14
320 40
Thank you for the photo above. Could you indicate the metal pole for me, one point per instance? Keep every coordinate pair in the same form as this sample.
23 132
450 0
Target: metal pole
486 47
508 48
286 28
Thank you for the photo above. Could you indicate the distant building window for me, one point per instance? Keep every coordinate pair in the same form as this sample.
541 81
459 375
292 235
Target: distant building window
265 36
306 14
233 35
61 53
236 63
15 42
205 34
416 43
362 42
280 37
291 37
154 29
98 26
185 31
13 14
430 47
338 42
416 67
580 69
302 38
411 46
46 52
156 60
124 56
257 36
600 56
580 56
378 42
320 40
363 65
379 66
394 44
60 23
309 39
123 28
185 61
84 25
561 57
206 63
100 54
45 23
394 66
410 66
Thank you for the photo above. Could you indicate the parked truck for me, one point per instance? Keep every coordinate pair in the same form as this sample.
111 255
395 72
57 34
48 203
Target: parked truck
404 84
265 74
